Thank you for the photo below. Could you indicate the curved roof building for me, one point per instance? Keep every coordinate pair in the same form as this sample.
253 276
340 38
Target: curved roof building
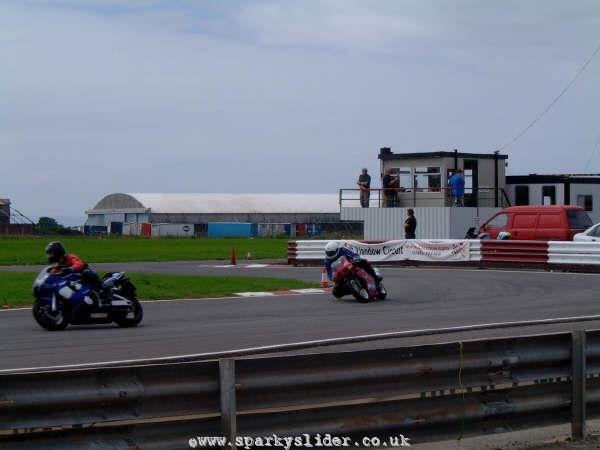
126 210
220 203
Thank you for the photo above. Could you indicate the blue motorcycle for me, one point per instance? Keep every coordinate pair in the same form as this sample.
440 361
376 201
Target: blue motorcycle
64 298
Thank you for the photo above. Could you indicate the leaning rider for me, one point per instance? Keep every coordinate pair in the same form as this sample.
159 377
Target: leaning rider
333 251
64 262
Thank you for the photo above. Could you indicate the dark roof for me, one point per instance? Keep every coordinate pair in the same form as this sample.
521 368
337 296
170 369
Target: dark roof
386 153
592 178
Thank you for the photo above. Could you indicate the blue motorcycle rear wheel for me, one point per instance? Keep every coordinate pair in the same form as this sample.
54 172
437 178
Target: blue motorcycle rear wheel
131 317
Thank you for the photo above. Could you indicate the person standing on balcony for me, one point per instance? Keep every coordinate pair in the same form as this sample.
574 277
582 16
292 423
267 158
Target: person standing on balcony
364 182
457 188
390 184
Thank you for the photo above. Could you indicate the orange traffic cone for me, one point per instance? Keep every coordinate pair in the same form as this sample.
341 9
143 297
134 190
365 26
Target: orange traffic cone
233 261
324 280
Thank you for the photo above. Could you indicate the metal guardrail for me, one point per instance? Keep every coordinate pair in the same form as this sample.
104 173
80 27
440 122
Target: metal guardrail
574 252
425 392
520 252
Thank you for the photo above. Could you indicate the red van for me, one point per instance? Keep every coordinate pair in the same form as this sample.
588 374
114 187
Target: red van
538 222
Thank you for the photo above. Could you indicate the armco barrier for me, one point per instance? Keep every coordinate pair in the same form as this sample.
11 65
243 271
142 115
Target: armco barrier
521 252
313 251
581 256
310 251
425 393
475 250
574 252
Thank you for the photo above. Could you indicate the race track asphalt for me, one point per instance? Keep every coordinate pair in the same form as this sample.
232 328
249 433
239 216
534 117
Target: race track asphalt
419 298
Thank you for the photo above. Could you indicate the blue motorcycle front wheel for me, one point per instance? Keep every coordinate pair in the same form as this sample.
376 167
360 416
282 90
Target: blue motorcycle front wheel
48 319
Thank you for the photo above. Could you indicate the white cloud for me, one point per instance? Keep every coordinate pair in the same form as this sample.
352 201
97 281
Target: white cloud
348 26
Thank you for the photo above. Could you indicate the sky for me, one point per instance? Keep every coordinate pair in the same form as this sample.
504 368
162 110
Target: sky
271 96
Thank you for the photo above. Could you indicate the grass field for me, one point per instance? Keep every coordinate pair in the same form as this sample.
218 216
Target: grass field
30 250
17 286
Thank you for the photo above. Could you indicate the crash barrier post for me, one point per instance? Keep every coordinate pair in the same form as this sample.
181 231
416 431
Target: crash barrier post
578 374
228 400
565 255
425 393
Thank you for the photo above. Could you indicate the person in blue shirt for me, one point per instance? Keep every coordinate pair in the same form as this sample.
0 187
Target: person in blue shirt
334 251
457 188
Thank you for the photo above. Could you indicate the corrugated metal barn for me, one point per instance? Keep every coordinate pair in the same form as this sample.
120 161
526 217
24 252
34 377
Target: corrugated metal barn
192 214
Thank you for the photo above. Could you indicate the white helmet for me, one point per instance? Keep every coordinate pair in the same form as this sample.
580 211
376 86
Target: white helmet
331 249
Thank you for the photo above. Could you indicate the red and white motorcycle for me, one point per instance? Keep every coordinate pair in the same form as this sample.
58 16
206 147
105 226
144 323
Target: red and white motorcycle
352 279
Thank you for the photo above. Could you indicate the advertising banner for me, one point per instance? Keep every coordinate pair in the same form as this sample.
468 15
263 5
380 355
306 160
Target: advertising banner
412 249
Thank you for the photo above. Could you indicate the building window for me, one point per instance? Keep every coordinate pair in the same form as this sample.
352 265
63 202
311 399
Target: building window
468 175
548 195
428 179
586 202
521 195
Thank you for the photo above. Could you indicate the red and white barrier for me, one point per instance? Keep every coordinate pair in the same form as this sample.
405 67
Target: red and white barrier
522 252
397 250
491 253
